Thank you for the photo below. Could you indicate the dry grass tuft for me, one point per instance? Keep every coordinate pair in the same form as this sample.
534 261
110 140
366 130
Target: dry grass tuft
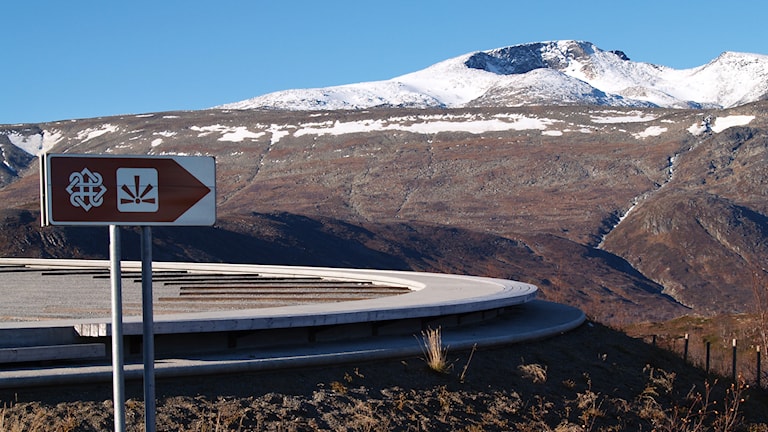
435 354
534 372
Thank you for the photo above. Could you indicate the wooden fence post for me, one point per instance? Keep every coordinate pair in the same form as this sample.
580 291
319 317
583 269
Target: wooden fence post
709 346
733 363
758 366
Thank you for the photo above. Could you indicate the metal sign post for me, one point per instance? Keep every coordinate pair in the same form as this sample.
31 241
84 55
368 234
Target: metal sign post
148 322
99 190
118 387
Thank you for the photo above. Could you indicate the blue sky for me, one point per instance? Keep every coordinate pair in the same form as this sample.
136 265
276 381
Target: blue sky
90 58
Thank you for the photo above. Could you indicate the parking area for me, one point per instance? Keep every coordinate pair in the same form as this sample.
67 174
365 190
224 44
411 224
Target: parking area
39 292
227 318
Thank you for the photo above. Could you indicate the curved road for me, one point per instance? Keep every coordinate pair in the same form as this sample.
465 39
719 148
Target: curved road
471 310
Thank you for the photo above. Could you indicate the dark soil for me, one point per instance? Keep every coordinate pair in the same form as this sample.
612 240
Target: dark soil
593 378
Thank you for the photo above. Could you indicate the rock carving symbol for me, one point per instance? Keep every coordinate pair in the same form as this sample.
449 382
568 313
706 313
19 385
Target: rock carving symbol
85 189
137 190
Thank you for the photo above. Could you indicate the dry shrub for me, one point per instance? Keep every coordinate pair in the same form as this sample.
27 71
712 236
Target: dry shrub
591 408
338 387
534 372
38 418
695 412
366 418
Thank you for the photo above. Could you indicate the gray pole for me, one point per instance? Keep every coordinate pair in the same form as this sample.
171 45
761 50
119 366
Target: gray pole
118 385
148 329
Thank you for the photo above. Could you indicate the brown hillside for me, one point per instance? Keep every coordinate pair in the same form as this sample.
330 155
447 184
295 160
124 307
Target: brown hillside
451 191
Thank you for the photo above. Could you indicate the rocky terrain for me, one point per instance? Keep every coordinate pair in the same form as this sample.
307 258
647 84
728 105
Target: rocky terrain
631 214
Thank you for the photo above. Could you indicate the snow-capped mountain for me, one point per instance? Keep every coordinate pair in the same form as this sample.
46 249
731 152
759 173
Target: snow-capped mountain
544 73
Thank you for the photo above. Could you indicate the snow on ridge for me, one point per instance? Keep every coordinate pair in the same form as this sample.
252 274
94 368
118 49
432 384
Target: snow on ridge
207 130
421 124
552 133
228 133
428 125
240 133
624 117
166 134
730 80
473 123
50 139
91 133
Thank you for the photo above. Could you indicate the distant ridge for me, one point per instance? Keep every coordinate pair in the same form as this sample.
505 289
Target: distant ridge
564 72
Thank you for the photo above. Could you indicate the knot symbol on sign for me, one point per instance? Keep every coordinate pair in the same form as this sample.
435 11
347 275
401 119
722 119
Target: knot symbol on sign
85 189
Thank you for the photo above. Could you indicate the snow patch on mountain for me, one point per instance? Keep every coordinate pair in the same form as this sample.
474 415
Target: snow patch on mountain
650 131
623 117
429 126
719 124
543 73
722 123
35 143
31 144
228 133
91 133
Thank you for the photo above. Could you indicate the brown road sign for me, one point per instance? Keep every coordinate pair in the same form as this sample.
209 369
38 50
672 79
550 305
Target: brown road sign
128 190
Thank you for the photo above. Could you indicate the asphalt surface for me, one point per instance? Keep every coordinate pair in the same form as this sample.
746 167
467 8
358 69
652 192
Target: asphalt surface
42 294
37 297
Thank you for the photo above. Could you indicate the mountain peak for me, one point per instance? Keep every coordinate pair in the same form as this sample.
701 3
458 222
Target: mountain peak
504 77
520 59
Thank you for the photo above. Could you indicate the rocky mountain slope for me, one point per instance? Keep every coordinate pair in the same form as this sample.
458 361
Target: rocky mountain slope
543 73
628 213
